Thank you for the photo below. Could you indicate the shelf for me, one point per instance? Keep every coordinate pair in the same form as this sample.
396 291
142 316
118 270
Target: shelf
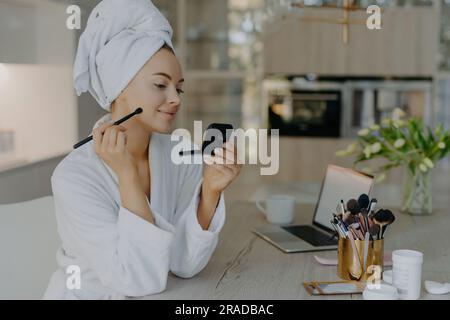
222 74
207 40
12 162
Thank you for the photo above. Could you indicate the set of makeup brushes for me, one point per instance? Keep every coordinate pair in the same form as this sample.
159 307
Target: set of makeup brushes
360 220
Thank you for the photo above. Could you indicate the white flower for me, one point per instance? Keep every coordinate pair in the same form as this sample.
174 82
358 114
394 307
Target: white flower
386 122
352 147
375 127
376 147
398 123
399 143
363 132
367 152
342 153
398 113
441 145
423 167
428 163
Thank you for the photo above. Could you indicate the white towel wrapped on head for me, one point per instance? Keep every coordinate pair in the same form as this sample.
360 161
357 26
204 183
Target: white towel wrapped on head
120 37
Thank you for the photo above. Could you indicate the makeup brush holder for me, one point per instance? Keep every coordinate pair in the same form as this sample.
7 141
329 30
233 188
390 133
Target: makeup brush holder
348 266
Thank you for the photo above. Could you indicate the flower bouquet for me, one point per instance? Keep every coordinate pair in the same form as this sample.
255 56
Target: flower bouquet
407 143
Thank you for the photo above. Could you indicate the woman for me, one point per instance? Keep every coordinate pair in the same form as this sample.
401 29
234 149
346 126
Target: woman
127 215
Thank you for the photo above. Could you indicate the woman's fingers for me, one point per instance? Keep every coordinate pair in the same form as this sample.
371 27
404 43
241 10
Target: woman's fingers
228 153
226 156
113 132
223 169
97 135
217 161
121 141
106 136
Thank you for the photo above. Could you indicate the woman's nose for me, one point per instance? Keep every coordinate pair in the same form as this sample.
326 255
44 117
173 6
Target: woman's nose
174 98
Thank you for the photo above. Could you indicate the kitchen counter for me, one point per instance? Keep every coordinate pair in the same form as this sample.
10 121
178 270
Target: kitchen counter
245 266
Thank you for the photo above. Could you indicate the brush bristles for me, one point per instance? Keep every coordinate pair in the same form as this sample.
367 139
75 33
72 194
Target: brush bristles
383 217
353 207
363 201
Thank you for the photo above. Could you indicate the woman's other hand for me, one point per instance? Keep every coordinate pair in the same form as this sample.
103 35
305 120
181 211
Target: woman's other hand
221 169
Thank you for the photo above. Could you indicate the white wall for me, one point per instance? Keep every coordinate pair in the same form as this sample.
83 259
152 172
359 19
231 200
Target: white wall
38 103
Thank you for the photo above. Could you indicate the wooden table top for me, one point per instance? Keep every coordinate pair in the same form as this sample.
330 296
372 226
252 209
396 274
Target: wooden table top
244 266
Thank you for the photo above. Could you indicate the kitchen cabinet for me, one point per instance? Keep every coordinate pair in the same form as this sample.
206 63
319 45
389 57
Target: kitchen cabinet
18 43
35 32
218 43
407 44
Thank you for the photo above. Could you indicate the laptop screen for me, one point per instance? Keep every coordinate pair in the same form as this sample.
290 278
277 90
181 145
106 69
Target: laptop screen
339 183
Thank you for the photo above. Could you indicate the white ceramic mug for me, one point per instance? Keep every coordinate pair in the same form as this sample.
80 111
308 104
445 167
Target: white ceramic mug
279 208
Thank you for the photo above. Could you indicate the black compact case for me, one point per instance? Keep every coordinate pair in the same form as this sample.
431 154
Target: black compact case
211 138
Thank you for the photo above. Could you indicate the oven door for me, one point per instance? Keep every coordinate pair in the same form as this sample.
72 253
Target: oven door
307 113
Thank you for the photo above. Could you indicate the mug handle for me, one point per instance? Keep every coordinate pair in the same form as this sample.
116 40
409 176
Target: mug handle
260 207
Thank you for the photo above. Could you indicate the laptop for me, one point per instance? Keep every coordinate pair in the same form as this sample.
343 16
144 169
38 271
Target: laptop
339 183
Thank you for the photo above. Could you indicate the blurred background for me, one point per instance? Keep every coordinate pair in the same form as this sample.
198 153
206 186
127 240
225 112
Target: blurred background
309 68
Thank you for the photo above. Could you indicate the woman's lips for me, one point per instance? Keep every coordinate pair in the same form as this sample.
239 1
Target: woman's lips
168 114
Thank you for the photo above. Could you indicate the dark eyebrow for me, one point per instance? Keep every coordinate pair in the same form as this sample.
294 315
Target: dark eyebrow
166 75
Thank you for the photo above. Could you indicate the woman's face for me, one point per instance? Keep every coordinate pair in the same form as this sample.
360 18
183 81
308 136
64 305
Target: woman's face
156 88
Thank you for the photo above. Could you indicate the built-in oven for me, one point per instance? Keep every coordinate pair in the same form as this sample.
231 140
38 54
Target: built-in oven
313 113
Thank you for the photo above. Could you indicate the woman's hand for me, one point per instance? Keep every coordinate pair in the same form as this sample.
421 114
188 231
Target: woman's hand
219 172
221 169
110 145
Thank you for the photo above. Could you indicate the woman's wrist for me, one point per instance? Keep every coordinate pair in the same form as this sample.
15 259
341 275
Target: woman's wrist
209 194
128 173
207 207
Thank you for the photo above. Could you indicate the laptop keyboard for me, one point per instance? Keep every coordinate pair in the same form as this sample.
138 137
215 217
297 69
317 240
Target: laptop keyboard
312 235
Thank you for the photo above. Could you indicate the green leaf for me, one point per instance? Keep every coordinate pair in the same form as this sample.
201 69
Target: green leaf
412 168
431 140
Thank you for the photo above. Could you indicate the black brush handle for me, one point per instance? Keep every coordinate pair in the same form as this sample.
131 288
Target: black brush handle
190 152
122 120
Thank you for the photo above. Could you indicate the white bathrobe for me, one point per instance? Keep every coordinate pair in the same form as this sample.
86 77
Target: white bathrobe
119 253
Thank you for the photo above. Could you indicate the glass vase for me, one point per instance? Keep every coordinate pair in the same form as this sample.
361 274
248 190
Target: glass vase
417 197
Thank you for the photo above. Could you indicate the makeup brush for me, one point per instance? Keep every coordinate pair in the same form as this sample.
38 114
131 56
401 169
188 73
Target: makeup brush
374 230
353 207
362 223
363 201
383 218
366 249
120 121
348 218
355 252
372 205
357 228
338 227
365 217
335 227
341 204
391 218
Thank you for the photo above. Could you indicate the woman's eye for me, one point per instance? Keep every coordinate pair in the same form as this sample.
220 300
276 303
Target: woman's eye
180 91
160 86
